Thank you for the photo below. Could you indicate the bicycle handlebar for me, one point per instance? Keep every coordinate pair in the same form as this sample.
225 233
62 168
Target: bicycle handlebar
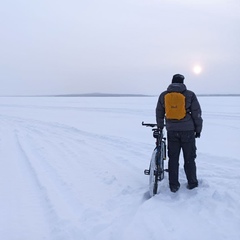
149 124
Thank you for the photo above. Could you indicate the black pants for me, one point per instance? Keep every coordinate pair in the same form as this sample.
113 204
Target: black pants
184 140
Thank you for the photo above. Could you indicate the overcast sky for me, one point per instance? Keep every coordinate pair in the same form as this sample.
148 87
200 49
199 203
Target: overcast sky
124 46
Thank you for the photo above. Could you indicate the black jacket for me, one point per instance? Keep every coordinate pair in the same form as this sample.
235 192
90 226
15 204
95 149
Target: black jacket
192 120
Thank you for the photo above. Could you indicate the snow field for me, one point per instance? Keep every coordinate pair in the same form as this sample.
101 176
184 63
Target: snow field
72 168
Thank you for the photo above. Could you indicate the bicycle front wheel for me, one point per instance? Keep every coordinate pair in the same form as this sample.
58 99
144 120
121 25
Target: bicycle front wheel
153 175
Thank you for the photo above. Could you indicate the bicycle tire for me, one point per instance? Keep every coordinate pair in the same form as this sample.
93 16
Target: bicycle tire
153 175
160 163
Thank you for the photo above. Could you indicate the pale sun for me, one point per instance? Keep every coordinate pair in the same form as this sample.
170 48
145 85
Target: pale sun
197 69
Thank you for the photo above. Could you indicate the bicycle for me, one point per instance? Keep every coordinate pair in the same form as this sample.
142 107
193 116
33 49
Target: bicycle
156 168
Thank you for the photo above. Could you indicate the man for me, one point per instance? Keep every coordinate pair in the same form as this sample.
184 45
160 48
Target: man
182 129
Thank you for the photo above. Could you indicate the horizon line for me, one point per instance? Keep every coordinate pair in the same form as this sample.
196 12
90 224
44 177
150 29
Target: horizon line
112 95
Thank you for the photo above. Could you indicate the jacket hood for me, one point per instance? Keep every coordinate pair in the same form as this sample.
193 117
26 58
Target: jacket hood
177 87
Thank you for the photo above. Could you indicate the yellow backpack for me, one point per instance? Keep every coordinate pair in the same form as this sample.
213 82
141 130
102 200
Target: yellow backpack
175 105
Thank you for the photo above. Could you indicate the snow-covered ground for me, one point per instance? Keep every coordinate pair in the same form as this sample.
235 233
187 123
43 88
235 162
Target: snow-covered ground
72 169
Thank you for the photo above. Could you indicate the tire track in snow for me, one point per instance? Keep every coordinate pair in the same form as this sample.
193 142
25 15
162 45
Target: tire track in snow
38 140
120 149
20 200
66 210
62 209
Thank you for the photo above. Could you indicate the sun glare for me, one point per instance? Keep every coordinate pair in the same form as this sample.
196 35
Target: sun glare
197 69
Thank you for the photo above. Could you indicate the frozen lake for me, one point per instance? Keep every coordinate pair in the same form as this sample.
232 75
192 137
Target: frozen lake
72 168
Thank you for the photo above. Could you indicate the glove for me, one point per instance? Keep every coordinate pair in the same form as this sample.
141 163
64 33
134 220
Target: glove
197 135
160 126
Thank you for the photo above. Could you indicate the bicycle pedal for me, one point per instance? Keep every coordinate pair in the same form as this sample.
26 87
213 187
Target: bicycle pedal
146 172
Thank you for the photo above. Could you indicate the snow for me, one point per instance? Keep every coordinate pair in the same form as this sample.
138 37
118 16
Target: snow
72 168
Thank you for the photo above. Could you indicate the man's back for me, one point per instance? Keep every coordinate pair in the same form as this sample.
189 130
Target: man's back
192 120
